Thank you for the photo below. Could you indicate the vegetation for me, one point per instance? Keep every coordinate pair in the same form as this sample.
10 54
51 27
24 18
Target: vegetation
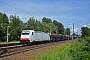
3 23
17 25
9 42
85 31
79 50
67 31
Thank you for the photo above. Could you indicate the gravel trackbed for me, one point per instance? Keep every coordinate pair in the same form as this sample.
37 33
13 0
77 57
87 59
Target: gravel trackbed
31 54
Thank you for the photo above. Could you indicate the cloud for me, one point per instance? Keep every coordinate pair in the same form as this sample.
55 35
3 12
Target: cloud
84 25
88 25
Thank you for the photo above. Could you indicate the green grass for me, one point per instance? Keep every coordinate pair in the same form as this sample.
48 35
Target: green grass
79 50
9 42
55 54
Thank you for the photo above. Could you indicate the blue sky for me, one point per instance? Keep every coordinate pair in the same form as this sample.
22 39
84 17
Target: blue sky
64 11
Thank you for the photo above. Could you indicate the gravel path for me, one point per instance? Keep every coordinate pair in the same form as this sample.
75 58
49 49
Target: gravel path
31 54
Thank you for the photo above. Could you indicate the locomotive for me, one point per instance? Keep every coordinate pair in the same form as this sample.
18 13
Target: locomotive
30 36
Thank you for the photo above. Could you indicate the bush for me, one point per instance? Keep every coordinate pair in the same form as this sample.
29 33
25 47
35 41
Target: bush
79 50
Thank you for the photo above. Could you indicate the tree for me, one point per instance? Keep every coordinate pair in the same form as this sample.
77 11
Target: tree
3 26
38 25
59 27
45 27
55 22
5 18
85 31
31 24
16 27
47 20
52 28
67 31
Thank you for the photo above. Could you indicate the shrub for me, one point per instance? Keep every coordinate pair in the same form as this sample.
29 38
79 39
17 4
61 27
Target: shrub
79 50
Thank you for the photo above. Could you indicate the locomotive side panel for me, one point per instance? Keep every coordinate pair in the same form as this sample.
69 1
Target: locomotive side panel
41 36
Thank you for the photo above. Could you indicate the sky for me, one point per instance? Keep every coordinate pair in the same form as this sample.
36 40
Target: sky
64 11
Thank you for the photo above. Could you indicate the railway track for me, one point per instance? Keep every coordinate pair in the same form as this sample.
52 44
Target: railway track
10 51
4 45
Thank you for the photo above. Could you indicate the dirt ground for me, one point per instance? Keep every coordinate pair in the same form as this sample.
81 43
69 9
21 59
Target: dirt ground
31 54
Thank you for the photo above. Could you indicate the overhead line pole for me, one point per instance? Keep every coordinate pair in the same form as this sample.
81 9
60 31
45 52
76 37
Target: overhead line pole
7 32
50 28
73 33
77 34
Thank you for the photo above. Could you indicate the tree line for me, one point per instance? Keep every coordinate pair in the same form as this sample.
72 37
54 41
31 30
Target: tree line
17 25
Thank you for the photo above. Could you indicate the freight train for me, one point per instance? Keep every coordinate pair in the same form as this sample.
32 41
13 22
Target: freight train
30 36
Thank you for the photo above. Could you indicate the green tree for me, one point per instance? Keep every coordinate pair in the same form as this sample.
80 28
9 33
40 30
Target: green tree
67 31
52 28
38 25
59 27
3 26
85 31
31 24
48 26
55 22
45 27
16 26
47 20
5 18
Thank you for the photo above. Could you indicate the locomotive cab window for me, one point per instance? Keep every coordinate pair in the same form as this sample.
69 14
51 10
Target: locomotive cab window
25 33
32 33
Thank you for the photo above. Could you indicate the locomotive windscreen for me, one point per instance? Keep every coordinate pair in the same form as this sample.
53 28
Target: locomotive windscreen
25 33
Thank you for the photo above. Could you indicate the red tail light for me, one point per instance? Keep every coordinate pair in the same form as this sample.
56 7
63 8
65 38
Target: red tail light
54 34
24 38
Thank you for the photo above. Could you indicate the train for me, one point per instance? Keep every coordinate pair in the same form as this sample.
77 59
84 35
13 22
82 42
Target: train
31 36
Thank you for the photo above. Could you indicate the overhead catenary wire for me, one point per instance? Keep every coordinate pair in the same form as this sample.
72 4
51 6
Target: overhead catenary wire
15 8
20 9
34 9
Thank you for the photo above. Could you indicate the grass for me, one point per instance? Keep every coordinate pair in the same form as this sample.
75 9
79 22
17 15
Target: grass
9 42
55 54
79 50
